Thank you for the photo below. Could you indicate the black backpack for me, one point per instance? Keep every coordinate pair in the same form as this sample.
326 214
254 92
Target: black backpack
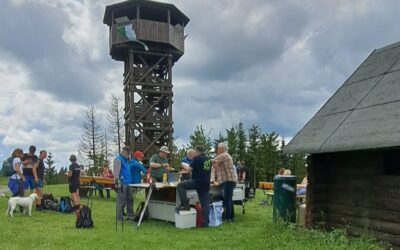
139 211
48 202
65 205
50 205
8 168
84 217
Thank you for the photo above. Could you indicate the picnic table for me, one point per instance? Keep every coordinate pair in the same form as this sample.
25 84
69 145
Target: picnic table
88 184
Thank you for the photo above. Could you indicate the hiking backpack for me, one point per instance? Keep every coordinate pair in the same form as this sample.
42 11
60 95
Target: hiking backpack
50 205
84 217
65 205
8 168
49 202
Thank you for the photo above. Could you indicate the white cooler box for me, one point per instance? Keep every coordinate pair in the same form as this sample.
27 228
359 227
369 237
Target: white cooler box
185 219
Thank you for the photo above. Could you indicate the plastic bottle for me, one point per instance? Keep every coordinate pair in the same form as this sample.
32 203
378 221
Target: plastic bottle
164 178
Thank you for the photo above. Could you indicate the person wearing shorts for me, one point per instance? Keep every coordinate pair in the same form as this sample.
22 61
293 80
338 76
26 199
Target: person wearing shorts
38 174
73 180
29 161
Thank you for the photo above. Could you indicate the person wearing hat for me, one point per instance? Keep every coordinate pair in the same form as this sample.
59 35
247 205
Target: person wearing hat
73 180
159 164
136 166
122 179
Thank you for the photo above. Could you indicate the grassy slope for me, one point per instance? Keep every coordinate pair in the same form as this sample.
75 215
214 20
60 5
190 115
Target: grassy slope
3 181
254 230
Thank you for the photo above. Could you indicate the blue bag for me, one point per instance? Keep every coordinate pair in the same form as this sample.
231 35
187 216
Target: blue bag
13 186
65 205
216 210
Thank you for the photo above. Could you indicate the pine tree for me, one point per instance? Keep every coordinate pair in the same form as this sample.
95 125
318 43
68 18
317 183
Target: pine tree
220 139
253 152
232 140
50 171
176 156
241 142
92 135
116 121
200 138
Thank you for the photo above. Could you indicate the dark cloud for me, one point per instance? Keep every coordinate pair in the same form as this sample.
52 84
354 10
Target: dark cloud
273 63
33 35
225 39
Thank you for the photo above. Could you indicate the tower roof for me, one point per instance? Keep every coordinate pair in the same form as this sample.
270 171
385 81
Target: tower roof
146 3
364 113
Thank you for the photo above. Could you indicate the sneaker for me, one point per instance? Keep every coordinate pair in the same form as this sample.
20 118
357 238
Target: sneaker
182 208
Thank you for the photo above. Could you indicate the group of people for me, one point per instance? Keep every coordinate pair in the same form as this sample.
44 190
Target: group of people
203 169
28 173
196 169
198 172
128 169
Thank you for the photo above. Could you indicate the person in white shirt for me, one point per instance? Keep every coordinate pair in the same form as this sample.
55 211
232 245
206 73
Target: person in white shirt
18 176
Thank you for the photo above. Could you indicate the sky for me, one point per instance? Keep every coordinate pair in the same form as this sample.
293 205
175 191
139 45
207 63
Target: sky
265 62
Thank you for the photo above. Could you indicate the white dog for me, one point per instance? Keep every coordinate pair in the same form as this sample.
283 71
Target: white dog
25 202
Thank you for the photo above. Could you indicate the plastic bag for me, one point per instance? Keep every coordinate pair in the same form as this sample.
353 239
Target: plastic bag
216 210
13 186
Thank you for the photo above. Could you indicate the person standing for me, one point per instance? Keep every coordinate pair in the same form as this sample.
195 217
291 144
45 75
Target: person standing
122 179
29 162
244 173
159 164
185 164
38 173
225 173
200 181
136 167
73 179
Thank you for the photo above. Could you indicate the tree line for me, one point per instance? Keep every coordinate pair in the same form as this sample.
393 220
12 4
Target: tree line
261 151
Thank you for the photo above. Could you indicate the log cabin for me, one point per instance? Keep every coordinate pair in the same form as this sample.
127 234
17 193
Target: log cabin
353 143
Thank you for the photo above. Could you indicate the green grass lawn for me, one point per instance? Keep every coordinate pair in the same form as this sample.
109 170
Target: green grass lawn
253 230
3 181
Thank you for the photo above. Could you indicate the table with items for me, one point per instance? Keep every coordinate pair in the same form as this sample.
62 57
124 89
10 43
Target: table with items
162 198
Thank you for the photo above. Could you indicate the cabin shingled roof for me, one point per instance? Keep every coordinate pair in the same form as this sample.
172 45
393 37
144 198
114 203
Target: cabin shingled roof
364 113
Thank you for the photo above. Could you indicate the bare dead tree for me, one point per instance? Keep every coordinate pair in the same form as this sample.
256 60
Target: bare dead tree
92 135
116 121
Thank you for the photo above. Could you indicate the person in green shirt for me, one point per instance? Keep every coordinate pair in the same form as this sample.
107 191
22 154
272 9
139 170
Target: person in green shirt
159 164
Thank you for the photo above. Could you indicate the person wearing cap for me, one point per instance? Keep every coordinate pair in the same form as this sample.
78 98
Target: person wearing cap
122 179
136 167
73 179
159 164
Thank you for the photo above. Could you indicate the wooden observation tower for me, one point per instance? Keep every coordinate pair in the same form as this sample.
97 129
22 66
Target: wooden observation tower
149 38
